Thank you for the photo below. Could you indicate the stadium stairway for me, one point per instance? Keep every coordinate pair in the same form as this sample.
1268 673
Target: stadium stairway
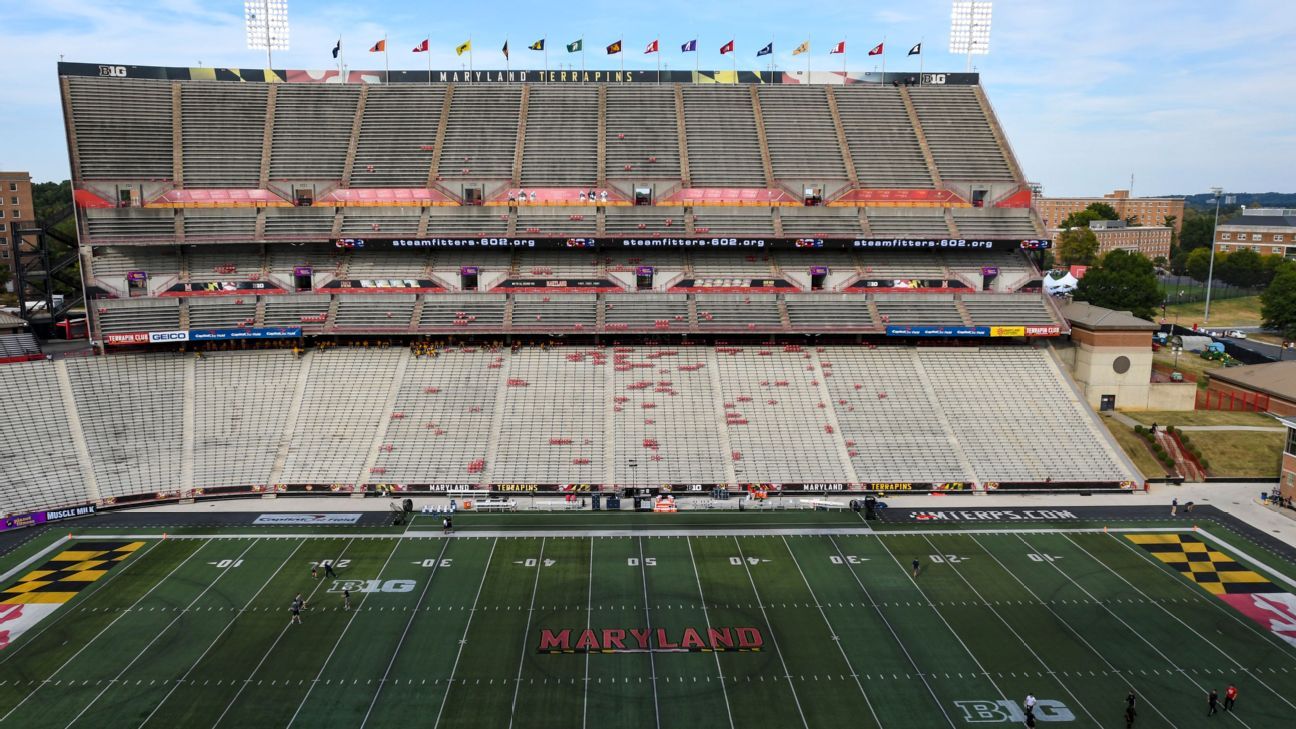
830 414
497 420
389 408
713 369
78 435
294 413
955 446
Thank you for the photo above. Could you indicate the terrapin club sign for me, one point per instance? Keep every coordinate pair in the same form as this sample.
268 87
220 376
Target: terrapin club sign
650 640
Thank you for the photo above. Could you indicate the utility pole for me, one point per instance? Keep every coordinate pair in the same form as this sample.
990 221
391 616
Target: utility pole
1218 192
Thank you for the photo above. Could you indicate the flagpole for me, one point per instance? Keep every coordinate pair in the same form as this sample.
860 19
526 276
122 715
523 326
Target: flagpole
884 58
771 58
545 45
386 63
697 57
734 54
622 54
920 59
508 65
807 58
582 58
340 62
658 54
844 47
470 59
429 59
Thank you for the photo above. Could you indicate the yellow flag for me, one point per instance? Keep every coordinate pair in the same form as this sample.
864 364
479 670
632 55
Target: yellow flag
803 48
465 46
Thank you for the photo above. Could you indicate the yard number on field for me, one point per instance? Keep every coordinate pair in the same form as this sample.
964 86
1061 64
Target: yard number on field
224 563
647 561
337 563
947 558
1041 557
737 561
532 562
433 562
846 559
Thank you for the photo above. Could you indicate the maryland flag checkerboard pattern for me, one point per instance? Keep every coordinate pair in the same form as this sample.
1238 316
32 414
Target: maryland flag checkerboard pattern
67 573
1214 571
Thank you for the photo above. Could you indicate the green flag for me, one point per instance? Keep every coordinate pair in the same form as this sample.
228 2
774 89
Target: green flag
576 47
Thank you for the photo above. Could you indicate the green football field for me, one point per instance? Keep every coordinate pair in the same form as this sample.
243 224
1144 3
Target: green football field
493 629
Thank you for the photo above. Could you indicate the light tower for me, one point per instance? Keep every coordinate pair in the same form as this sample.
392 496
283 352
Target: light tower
970 28
267 26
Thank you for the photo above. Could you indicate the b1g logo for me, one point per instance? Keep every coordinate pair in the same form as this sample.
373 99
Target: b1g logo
372 586
1007 710
113 71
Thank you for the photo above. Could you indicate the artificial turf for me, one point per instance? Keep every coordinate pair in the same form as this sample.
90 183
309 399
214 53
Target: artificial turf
179 634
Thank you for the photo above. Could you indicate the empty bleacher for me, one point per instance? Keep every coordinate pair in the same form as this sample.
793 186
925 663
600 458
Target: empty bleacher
222 263
959 134
557 222
218 312
1000 309
360 222
820 222
881 138
294 224
307 311
123 128
801 135
723 147
38 461
110 264
646 312
129 225
463 312
1004 223
312 130
471 221
645 221
374 312
222 127
749 221
482 135
397 136
922 224
742 311
568 311
238 226
918 309
641 138
561 136
829 311
137 315
241 404
399 263
344 401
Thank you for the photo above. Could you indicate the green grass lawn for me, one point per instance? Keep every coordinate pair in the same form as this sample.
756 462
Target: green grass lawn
1243 311
1135 448
1203 417
1240 453
447 633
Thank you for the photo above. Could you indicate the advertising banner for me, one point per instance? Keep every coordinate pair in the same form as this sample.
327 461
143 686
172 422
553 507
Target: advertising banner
305 519
18 521
127 338
1007 331
211 335
164 337
937 331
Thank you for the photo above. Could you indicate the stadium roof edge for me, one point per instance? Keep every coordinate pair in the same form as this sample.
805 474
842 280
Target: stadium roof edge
497 76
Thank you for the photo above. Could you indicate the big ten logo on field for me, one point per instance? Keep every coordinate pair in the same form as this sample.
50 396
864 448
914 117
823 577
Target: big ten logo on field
361 586
985 711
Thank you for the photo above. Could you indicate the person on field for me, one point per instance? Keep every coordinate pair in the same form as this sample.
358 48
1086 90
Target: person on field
1230 695
1212 703
916 565
297 604
314 572
328 569
346 599
1174 506
1130 714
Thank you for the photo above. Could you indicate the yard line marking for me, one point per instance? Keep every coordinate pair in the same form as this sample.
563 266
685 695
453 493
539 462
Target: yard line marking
350 621
413 613
1206 640
652 660
589 617
1149 643
270 650
707 617
228 625
836 639
526 634
1200 595
179 614
105 629
464 638
949 627
1026 644
770 627
90 592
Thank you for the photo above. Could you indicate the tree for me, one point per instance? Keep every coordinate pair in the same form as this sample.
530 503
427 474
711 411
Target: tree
1123 281
1077 247
1095 211
1242 268
1278 303
1270 266
1197 229
1104 211
1197 264
1178 261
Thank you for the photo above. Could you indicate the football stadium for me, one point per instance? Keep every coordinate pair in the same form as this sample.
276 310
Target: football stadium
594 398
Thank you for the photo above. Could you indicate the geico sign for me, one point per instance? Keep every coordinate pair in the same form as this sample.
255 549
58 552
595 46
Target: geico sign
372 586
168 336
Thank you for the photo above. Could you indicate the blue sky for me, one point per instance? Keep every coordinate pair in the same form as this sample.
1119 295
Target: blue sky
1181 94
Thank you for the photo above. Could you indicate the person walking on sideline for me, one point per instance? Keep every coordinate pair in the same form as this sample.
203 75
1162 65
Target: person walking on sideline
1230 695
1212 702
915 567
1174 506
445 525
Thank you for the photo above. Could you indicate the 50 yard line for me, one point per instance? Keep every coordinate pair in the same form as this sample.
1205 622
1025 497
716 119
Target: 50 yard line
707 617
652 661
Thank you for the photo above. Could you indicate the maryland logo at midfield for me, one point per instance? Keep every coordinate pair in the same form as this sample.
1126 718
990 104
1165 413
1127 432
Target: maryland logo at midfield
646 640
40 592
1249 592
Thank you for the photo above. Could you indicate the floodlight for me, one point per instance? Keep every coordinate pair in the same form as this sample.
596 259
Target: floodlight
267 26
970 28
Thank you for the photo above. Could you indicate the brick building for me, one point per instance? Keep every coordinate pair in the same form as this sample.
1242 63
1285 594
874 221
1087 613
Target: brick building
1287 476
1112 235
1266 231
15 212
1146 211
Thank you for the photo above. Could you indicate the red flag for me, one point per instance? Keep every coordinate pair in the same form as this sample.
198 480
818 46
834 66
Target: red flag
652 47
726 48
422 46
877 51
840 47
379 47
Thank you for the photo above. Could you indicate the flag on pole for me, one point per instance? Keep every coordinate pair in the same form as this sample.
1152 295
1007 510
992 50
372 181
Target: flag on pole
337 48
877 50
727 48
916 50
576 46
537 46
614 48
803 48
652 48
690 47
379 47
768 49
505 49
839 48
420 48
463 47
